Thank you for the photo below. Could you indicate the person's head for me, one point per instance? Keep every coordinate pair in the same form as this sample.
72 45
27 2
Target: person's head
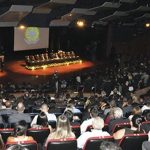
42 119
20 107
69 115
117 113
94 112
147 115
106 145
44 108
20 128
8 104
136 121
136 110
17 147
98 123
63 128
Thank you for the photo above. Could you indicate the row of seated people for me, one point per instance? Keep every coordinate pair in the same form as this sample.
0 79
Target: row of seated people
52 56
116 116
63 134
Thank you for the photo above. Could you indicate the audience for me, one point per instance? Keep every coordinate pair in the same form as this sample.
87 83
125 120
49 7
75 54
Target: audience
112 96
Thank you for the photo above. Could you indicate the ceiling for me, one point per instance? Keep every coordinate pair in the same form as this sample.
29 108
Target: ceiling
45 13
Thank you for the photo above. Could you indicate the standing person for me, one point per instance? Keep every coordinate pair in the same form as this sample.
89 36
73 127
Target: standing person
56 81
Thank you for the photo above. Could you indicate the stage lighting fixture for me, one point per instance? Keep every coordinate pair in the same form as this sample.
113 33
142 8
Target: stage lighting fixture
33 68
80 23
147 25
21 26
80 61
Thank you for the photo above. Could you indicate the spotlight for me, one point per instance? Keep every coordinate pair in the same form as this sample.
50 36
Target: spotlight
33 68
44 67
80 23
147 25
21 26
80 61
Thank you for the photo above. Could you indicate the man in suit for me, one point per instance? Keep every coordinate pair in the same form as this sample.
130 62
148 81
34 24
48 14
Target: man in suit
20 115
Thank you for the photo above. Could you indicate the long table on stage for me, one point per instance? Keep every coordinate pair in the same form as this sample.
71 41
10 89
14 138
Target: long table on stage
51 62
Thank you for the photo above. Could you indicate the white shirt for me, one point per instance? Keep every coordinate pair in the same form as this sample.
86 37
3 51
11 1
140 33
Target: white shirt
144 108
85 124
50 117
85 136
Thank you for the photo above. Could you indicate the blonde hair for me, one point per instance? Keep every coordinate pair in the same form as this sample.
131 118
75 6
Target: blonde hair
63 129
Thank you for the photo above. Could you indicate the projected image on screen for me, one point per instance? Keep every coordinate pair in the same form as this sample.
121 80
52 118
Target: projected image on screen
31 38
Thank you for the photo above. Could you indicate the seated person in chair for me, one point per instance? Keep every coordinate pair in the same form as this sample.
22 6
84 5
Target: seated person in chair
135 123
20 133
98 124
63 130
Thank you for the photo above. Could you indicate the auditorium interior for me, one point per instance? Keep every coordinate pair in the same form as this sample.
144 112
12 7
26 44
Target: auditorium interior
74 74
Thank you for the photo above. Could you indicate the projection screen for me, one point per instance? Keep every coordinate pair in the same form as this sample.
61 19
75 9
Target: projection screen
30 38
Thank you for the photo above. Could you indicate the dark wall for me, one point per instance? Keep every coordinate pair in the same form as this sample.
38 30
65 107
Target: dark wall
59 38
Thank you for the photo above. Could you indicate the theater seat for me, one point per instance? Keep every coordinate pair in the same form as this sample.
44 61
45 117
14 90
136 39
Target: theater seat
133 141
5 133
31 145
119 126
145 126
65 144
94 142
39 134
76 130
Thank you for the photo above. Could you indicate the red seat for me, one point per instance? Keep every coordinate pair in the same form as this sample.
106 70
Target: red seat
119 126
5 133
39 134
62 144
133 141
76 130
31 145
94 142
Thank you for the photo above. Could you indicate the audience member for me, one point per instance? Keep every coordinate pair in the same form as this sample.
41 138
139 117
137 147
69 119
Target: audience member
44 108
20 115
135 123
97 124
20 133
93 114
106 145
63 129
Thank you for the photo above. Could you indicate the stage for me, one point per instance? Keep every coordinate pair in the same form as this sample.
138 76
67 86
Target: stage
15 71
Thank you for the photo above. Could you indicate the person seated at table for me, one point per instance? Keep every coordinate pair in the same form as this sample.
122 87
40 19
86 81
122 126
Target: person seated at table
20 133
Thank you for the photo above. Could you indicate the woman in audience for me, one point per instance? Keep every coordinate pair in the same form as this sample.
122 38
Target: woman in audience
20 133
63 130
135 123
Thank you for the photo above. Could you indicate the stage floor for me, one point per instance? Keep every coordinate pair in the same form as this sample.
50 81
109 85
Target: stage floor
15 71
